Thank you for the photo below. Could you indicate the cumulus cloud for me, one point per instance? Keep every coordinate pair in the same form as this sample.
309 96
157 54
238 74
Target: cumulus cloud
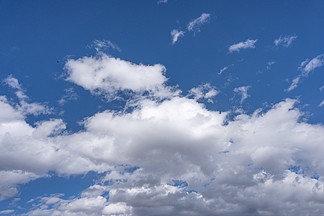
108 75
242 45
176 34
173 156
306 67
285 40
196 23
10 179
243 92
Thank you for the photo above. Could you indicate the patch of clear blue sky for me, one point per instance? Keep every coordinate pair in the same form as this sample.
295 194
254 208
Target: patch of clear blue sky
37 37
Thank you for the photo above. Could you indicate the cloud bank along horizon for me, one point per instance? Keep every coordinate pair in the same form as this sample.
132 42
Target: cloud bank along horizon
169 154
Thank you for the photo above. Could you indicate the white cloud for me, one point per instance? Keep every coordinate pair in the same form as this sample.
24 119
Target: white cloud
294 83
242 45
107 75
10 179
101 45
9 211
176 34
162 1
224 69
192 160
321 88
321 104
119 208
243 92
25 107
269 64
306 67
205 91
194 25
285 40
70 95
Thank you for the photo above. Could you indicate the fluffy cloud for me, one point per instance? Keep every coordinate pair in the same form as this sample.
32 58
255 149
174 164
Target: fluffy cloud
194 25
242 45
306 67
108 75
285 40
173 156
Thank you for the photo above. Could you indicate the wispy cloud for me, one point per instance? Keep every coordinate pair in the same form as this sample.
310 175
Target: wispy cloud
162 1
101 45
306 67
243 92
285 40
242 45
224 69
205 91
176 34
70 95
269 64
321 104
194 25
25 107
321 88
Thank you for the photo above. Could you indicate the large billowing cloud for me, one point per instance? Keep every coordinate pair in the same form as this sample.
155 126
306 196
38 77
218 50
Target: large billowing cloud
166 157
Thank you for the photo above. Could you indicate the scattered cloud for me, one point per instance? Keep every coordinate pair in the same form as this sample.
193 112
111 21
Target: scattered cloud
196 23
285 40
176 34
207 164
70 95
162 1
243 92
306 67
321 88
9 211
321 104
269 64
24 105
224 69
205 91
242 45
192 26
101 45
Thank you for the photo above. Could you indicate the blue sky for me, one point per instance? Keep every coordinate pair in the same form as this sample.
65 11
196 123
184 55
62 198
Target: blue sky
106 104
